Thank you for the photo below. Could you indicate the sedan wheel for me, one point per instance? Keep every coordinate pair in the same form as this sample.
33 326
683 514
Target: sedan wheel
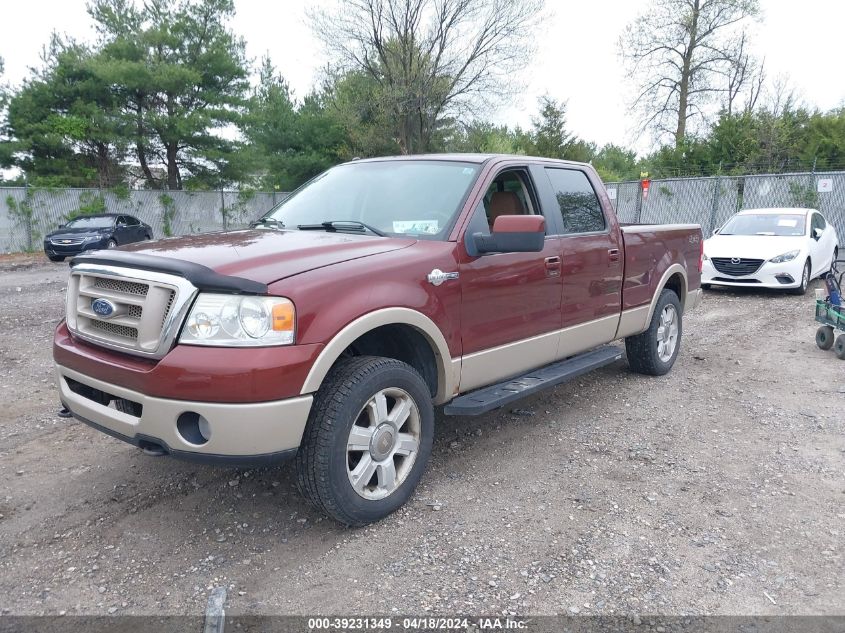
805 280
111 244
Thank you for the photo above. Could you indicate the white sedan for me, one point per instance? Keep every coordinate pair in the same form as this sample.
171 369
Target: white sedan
770 248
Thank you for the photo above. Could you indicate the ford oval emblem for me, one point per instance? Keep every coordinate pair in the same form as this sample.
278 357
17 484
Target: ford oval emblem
103 307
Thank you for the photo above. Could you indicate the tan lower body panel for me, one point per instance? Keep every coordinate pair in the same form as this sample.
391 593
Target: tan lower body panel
236 429
490 366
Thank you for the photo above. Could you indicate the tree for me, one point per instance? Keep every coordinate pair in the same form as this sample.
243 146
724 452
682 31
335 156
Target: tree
181 75
62 124
679 53
430 60
287 143
551 139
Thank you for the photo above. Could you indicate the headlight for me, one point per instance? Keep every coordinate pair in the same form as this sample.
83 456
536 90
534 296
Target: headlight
236 321
786 257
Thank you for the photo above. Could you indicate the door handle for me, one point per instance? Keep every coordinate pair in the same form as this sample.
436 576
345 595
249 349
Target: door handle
552 266
613 254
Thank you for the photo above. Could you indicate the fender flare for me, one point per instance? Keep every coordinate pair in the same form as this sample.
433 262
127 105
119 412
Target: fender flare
446 381
674 268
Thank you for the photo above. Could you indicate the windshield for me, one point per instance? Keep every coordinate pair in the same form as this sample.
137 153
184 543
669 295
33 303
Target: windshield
90 223
400 197
782 225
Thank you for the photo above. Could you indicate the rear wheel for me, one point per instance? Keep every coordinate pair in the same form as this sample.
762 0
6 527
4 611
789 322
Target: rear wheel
654 351
824 337
367 440
839 347
805 280
705 286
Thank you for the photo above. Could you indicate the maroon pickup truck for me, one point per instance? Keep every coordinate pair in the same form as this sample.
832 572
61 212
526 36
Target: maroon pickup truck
382 288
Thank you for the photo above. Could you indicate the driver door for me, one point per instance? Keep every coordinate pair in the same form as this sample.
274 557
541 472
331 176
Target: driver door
511 302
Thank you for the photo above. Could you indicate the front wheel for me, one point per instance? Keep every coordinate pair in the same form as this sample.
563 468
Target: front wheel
805 280
367 440
654 351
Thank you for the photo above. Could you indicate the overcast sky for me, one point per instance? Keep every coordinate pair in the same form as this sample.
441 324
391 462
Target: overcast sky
576 57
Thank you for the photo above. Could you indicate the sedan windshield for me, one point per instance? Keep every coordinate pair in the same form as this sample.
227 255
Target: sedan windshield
400 197
782 225
90 223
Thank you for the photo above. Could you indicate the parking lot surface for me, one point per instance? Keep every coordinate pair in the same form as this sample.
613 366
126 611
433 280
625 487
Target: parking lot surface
717 489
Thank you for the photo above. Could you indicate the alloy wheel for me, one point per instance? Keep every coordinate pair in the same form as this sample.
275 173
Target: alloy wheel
383 443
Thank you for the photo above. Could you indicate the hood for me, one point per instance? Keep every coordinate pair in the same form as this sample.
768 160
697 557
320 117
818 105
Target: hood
752 246
77 232
266 256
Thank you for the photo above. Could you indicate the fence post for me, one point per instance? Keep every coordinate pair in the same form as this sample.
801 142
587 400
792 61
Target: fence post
717 192
28 213
223 209
639 206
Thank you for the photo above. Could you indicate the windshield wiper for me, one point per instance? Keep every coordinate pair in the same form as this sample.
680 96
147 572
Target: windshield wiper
268 222
336 225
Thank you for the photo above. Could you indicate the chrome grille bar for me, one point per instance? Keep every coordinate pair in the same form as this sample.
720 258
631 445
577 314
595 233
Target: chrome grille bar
145 309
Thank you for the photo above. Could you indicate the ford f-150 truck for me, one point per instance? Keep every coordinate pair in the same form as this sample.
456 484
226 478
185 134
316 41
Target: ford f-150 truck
380 289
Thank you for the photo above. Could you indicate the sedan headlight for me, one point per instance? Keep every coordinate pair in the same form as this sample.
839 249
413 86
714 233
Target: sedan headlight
786 257
235 321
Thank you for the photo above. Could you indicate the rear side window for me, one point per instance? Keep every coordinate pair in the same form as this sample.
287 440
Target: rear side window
132 221
579 205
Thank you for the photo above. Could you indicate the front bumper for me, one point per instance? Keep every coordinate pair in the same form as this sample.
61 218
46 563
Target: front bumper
769 275
69 250
239 433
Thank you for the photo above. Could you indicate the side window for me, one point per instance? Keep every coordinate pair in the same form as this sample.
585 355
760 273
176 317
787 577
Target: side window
131 221
579 205
818 221
510 193
121 220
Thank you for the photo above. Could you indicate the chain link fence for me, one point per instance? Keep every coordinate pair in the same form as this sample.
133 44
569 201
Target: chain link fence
27 214
711 201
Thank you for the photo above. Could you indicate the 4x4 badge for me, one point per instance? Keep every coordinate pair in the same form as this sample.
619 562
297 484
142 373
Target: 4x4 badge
437 277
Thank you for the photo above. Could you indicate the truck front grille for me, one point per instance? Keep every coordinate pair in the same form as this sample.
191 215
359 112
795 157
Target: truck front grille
133 315
735 266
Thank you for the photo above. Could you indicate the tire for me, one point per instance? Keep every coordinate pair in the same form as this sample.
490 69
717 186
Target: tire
705 286
148 236
647 352
805 281
111 244
824 337
839 347
327 463
55 258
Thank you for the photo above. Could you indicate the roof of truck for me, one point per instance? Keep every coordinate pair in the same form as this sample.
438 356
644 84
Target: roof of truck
465 158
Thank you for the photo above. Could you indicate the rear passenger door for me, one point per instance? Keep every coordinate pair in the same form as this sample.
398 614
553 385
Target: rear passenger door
592 261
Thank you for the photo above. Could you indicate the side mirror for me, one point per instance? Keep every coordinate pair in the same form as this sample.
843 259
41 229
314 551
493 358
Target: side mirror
511 234
61 226
817 233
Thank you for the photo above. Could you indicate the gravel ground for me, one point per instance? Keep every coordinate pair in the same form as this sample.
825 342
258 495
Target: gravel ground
717 489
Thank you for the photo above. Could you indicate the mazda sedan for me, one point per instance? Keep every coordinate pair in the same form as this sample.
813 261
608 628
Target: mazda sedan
770 248
91 232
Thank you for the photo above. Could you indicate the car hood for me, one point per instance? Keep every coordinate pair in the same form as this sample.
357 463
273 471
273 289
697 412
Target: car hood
76 233
266 256
752 246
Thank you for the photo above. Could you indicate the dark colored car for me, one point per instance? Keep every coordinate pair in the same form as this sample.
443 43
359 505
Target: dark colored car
92 232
